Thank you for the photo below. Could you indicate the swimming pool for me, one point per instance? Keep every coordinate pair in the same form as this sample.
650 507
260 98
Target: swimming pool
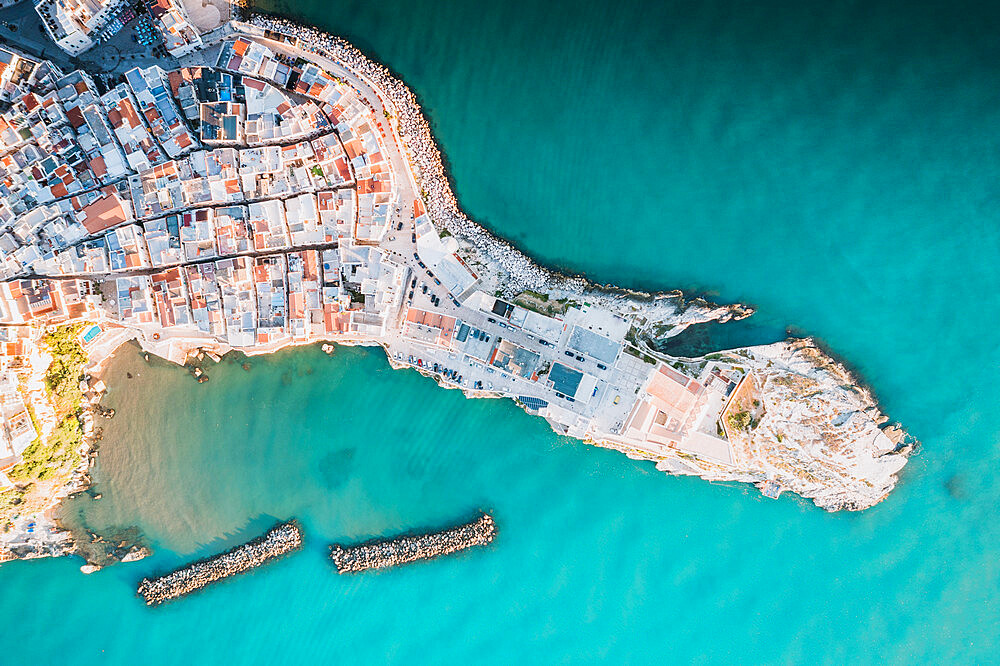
90 334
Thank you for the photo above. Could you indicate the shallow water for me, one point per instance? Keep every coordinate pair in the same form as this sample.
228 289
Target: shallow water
832 163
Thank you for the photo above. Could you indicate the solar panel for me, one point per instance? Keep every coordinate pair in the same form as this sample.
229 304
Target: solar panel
532 403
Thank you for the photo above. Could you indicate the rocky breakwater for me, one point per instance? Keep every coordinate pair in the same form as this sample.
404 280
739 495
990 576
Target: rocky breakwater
384 553
280 540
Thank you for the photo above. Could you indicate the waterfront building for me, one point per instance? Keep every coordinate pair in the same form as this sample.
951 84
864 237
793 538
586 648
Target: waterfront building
170 298
428 327
16 428
305 306
269 276
234 277
205 299
134 299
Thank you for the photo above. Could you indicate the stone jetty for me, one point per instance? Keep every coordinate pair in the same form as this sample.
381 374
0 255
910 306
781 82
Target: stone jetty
280 540
383 553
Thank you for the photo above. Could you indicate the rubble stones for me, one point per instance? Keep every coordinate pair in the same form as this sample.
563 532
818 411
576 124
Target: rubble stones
280 540
383 553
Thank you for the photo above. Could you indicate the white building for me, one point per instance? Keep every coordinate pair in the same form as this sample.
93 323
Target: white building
73 24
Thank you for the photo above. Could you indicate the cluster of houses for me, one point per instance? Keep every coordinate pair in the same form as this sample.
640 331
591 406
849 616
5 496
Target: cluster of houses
244 202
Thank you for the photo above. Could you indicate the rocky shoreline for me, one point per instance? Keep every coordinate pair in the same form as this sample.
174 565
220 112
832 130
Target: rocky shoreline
515 271
384 553
280 540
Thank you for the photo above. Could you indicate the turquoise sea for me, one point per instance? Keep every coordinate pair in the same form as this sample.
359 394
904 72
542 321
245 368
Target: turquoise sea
833 163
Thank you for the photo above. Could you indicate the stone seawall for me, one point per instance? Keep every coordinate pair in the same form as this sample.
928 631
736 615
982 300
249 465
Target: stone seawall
514 270
280 540
384 553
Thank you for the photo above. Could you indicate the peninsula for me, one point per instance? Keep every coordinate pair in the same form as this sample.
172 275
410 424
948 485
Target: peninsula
266 184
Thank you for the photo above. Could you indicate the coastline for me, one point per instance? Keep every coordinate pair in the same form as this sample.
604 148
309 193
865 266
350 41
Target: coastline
655 314
433 181
517 270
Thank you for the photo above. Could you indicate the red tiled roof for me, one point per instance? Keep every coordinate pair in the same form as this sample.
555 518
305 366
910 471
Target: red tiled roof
104 213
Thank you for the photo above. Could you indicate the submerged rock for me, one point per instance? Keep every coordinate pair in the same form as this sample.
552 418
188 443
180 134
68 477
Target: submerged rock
136 553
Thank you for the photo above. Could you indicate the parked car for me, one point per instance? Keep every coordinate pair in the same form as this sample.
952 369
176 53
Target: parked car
568 353
602 366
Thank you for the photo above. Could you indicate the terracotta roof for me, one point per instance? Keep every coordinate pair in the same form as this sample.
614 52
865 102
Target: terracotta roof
103 214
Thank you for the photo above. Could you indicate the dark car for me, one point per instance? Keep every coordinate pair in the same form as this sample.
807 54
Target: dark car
602 366
421 264
437 282
568 353
399 227
423 288
411 295
455 301
413 237
413 283
579 358
491 320
417 257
